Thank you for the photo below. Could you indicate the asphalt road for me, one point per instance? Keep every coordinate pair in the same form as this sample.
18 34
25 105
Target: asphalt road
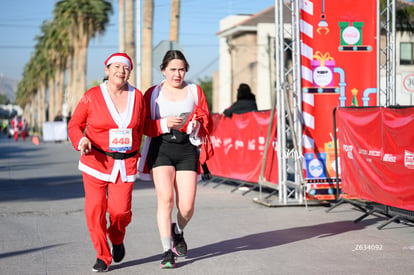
43 229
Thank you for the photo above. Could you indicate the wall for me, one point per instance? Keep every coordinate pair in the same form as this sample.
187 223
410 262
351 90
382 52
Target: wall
243 62
265 72
224 87
403 97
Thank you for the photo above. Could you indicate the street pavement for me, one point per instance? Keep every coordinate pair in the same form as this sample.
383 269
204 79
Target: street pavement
43 229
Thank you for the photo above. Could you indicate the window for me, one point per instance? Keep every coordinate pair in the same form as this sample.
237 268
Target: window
406 53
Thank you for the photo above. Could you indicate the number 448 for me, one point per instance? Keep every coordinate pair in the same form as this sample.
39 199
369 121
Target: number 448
120 141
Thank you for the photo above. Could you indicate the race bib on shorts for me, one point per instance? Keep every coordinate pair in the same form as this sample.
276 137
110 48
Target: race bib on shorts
120 139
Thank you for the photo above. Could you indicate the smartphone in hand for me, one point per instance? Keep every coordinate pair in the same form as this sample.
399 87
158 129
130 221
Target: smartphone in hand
184 116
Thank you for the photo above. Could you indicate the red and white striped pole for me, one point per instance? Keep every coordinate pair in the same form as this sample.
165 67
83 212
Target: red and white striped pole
307 35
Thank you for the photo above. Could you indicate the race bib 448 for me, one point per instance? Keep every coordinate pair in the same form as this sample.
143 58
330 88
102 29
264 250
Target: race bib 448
120 139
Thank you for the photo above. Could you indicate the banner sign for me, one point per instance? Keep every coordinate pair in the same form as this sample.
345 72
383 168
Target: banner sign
55 131
239 144
339 68
376 149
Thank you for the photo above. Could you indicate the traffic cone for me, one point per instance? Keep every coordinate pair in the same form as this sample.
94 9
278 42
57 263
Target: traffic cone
35 140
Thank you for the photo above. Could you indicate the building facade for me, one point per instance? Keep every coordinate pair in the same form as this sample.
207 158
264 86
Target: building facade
246 56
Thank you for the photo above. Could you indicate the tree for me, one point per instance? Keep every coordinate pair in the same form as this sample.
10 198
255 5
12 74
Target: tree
405 18
148 12
84 19
121 25
58 52
31 88
42 71
130 34
55 44
207 85
25 92
404 15
4 99
62 46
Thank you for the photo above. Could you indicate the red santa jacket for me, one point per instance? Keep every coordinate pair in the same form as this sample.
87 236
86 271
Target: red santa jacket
153 127
15 123
97 114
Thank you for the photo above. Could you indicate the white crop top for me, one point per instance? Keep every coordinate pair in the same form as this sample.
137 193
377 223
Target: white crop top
166 108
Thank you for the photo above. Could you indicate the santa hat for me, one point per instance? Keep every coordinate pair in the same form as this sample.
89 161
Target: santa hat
119 57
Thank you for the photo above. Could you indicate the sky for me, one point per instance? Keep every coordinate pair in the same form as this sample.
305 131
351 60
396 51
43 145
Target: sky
21 20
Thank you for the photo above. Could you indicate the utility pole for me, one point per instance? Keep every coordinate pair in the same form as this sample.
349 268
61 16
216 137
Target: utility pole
130 34
175 20
121 23
148 17
138 63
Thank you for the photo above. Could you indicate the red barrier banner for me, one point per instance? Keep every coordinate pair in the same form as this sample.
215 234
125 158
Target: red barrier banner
376 148
338 46
239 144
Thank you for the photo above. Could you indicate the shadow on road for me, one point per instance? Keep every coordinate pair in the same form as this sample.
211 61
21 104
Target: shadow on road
31 250
49 188
259 241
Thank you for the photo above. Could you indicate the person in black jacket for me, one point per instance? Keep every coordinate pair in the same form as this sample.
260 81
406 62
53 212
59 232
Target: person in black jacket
246 102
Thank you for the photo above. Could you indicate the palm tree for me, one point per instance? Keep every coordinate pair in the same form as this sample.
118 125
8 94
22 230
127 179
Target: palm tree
44 69
130 34
404 15
121 24
84 20
33 87
57 43
53 43
25 92
62 44
146 76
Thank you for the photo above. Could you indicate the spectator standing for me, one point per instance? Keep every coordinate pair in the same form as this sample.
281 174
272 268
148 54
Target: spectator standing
58 117
246 102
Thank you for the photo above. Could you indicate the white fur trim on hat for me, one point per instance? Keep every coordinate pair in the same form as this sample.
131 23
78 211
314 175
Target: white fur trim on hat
117 58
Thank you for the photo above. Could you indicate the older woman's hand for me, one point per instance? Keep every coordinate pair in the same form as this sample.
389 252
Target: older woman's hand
85 146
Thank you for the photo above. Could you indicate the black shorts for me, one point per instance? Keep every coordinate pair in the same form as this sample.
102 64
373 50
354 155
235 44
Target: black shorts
183 156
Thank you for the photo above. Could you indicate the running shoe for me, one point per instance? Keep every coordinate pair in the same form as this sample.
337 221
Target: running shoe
168 260
180 246
100 266
118 252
